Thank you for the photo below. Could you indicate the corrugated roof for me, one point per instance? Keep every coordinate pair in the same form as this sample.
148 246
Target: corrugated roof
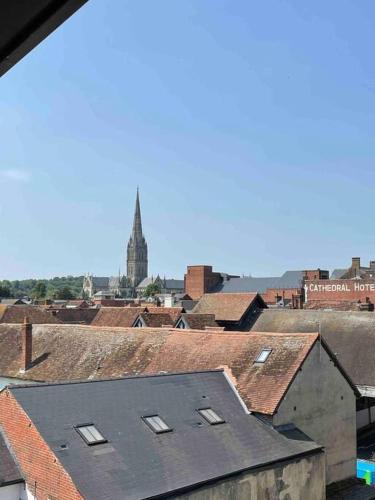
136 463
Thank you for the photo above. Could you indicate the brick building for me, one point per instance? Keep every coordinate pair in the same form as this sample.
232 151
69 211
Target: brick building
348 289
286 290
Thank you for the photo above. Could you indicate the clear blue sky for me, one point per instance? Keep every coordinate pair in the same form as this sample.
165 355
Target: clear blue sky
248 126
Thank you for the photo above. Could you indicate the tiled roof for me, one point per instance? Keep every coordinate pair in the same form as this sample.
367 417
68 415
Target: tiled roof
9 472
85 316
117 316
76 352
226 306
197 321
174 312
17 314
156 320
345 332
139 464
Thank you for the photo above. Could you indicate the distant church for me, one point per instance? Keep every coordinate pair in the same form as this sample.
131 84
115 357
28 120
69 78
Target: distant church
135 282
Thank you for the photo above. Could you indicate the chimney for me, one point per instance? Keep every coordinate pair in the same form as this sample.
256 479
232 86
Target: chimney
356 263
26 345
372 264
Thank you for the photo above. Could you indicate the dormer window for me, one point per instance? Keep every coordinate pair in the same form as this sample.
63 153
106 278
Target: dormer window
263 355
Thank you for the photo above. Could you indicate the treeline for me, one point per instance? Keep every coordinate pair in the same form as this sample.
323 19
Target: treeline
67 287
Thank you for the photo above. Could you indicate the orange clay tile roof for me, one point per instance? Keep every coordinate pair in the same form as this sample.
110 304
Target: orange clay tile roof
17 314
156 320
117 316
68 352
225 306
174 312
199 321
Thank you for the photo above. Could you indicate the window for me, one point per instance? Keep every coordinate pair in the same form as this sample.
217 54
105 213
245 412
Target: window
181 324
263 356
211 416
90 434
157 424
138 323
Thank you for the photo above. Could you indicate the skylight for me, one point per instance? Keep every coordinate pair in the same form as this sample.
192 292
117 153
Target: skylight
90 434
211 416
157 424
263 356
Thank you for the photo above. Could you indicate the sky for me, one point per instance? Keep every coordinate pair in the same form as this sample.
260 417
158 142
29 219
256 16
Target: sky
248 126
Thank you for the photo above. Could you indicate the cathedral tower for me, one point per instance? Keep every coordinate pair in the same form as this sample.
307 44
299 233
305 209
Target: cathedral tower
137 250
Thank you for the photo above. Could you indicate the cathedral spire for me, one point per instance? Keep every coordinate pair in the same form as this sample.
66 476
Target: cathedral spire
137 222
137 262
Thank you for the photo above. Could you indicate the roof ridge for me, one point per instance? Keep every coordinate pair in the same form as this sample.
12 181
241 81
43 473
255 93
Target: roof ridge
129 377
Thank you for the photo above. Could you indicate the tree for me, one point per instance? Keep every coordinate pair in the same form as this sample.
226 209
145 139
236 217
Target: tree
64 294
39 291
152 289
4 292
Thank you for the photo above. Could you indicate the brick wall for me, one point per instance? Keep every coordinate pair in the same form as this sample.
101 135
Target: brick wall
340 291
45 476
200 280
269 296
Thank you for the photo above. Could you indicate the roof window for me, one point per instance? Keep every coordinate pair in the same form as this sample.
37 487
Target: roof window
90 434
211 416
157 424
263 356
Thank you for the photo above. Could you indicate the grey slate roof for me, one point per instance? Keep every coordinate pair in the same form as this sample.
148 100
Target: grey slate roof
136 463
338 274
170 283
100 281
290 279
9 472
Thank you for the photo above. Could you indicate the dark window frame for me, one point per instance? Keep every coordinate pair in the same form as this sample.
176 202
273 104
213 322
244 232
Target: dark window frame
200 410
99 441
150 426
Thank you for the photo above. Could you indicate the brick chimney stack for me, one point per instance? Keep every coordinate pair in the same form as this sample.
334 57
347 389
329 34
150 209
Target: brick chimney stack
26 345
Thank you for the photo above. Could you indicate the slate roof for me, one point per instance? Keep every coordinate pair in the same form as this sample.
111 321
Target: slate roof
16 314
197 321
227 306
138 464
170 283
9 471
350 489
290 279
346 332
338 274
117 316
68 352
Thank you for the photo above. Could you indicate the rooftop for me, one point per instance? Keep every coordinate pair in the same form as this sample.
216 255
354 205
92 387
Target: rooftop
118 408
227 306
68 352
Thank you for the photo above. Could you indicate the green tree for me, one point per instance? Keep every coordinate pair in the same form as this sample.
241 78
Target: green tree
152 289
39 291
64 293
4 292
